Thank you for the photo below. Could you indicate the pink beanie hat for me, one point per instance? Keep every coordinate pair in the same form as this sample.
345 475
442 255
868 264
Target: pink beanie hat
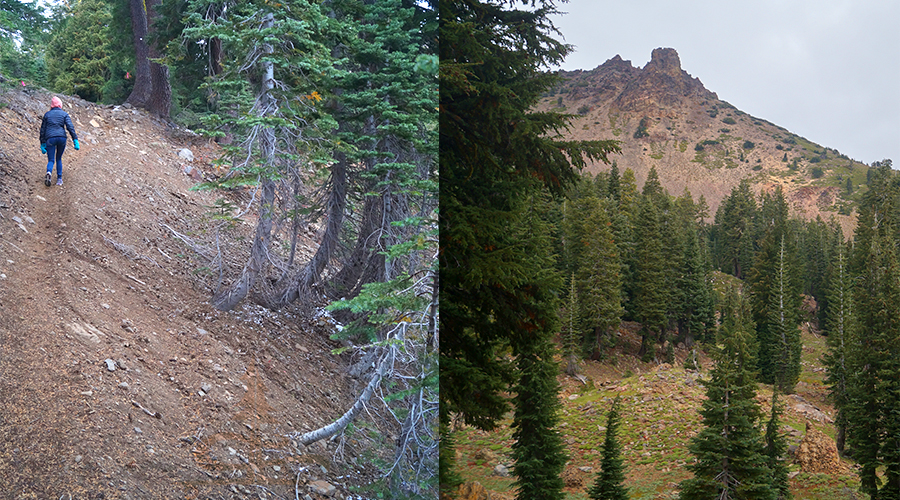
55 102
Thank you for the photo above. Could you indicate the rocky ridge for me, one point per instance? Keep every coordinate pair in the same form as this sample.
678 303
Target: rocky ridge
666 118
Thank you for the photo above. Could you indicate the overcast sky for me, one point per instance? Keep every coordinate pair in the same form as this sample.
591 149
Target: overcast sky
827 70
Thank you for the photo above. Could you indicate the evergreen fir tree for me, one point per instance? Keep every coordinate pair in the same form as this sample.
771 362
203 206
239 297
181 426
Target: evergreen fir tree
571 335
650 295
838 329
77 56
775 295
609 484
776 452
497 156
873 390
597 275
734 238
784 336
730 459
538 450
613 189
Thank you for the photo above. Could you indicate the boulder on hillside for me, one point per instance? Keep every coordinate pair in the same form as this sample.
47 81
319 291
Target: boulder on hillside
817 453
475 491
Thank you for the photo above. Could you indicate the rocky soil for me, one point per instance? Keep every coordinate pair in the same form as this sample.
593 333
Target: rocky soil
117 379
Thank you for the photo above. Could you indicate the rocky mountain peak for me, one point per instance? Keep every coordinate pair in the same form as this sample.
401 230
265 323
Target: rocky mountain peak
664 60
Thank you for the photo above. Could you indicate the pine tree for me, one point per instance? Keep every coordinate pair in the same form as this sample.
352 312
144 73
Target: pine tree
733 235
650 295
609 484
776 451
571 334
597 274
538 450
77 59
784 336
838 329
775 295
873 375
497 157
730 459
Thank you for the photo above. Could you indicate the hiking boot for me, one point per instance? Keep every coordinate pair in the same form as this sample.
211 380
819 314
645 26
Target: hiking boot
59 181
47 179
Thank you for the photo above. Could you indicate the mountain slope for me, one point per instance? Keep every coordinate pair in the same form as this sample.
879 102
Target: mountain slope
117 379
668 119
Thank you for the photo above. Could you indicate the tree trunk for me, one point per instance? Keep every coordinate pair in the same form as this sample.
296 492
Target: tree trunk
230 297
152 90
339 424
140 93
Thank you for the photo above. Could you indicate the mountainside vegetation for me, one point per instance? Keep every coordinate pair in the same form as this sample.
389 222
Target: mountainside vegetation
730 283
321 119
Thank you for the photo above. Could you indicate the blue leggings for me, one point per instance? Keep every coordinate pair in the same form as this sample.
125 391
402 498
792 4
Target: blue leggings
55 148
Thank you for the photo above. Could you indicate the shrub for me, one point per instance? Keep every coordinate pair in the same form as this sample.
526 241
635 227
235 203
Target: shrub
757 167
642 128
817 172
815 159
583 110
729 120
724 130
699 147
749 145
779 147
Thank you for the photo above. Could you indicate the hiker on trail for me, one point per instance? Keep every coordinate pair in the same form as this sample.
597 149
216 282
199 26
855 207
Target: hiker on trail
53 138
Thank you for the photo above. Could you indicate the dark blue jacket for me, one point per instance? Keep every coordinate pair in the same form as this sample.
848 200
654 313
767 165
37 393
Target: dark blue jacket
55 123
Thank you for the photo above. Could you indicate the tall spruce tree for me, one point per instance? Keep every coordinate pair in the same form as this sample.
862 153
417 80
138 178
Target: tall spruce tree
650 295
873 391
775 295
496 157
733 234
598 268
610 481
776 451
839 332
730 461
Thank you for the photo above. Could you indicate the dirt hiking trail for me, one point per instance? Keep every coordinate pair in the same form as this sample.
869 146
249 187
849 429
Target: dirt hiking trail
117 379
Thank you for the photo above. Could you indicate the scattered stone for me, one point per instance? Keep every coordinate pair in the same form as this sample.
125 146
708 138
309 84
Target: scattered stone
94 124
87 393
186 154
501 471
123 385
322 488
201 331
586 468
110 364
78 458
232 451
104 305
128 325
138 430
206 387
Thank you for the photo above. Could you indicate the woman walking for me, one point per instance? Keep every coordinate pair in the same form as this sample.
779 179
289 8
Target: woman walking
53 138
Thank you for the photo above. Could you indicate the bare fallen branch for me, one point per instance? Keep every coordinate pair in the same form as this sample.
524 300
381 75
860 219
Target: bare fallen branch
339 424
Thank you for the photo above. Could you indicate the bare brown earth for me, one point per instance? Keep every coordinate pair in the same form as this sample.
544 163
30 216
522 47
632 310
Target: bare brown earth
200 401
